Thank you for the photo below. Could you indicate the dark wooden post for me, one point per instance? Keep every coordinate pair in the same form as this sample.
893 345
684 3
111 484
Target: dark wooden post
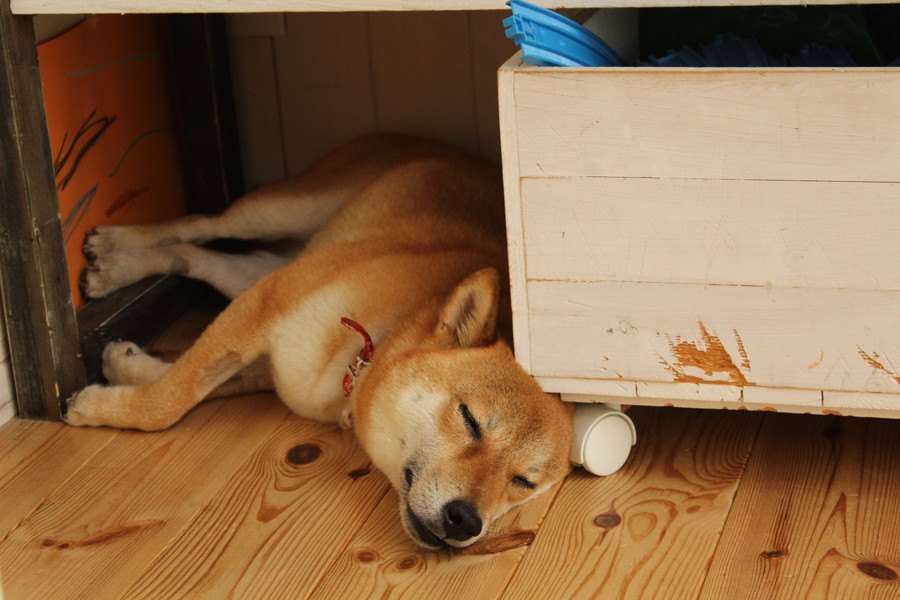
205 105
40 318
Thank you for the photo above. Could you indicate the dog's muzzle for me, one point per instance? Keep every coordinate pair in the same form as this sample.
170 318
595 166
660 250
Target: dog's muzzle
426 537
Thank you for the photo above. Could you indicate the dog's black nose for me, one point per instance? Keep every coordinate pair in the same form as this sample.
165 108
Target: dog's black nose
461 520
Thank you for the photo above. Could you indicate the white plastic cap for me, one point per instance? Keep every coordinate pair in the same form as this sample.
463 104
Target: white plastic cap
602 440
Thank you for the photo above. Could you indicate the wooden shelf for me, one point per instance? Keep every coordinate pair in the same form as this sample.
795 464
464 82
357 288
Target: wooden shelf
36 7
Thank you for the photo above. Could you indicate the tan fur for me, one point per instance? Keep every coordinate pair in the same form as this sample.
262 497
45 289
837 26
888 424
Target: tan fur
410 244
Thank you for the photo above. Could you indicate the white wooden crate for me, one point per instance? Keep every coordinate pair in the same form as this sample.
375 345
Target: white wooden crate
720 237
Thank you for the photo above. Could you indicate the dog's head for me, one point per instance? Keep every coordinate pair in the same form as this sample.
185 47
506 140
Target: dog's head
462 432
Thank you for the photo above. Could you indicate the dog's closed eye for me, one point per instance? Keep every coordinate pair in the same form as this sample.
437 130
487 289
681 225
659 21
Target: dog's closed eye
523 482
471 423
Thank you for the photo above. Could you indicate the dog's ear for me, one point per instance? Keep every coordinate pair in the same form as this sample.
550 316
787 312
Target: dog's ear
469 315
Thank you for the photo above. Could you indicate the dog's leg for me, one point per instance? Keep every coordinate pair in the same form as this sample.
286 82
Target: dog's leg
236 339
230 274
124 363
295 208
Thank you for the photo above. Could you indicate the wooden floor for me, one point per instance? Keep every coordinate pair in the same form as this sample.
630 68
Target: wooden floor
244 500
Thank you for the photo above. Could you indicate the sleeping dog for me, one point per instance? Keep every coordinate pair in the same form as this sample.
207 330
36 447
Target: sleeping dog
393 319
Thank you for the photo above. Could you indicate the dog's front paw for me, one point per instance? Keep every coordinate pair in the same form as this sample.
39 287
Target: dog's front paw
124 363
122 406
85 409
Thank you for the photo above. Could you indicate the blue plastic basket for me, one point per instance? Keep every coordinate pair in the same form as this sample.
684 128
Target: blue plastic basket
549 39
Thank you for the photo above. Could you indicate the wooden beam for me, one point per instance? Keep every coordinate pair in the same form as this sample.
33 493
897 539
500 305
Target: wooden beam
40 317
253 6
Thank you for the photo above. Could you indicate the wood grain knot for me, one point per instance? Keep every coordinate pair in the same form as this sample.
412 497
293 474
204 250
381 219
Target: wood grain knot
366 556
303 454
877 571
608 520
774 554
101 537
357 473
407 562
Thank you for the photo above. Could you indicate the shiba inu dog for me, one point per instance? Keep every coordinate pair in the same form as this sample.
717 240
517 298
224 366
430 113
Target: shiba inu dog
407 248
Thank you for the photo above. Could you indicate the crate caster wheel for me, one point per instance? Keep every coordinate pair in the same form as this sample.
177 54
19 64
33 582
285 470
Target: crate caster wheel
603 437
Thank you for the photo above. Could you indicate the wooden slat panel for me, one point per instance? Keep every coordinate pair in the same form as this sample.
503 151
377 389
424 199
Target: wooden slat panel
689 391
603 387
135 495
126 6
775 233
324 84
777 396
382 561
515 237
860 400
818 124
649 530
423 75
778 404
738 335
257 109
273 527
816 514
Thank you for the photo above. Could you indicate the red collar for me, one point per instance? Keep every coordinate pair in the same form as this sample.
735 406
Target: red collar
362 359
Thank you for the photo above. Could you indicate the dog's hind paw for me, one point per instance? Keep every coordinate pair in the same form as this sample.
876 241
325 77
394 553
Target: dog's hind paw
107 273
124 363
98 279
104 240
109 239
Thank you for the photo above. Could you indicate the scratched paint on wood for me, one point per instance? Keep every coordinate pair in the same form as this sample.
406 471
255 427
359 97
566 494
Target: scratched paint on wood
709 356
874 360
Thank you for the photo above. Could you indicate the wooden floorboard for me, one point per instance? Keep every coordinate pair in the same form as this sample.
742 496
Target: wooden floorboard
123 506
243 500
650 530
816 515
277 523
36 458
381 561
